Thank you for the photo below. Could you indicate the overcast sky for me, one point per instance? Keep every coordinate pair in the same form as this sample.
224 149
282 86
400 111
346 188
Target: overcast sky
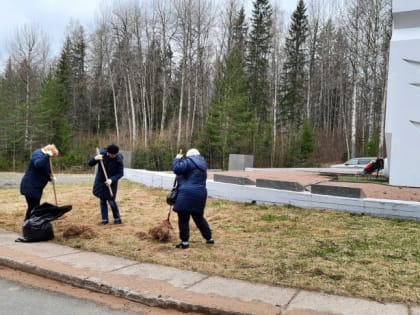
54 16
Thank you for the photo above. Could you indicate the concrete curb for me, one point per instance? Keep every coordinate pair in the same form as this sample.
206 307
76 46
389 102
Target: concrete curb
107 288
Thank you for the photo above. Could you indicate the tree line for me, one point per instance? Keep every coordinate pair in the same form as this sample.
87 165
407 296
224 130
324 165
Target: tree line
157 76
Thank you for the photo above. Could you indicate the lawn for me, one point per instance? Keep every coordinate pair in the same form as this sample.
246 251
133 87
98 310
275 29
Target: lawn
330 251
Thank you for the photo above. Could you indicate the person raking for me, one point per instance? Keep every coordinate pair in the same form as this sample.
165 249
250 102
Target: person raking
106 181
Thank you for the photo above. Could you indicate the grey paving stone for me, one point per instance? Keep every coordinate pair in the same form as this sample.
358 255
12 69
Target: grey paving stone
351 192
279 184
233 179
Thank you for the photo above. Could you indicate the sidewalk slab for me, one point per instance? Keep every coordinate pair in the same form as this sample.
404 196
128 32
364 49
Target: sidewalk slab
152 285
332 304
7 237
93 261
415 311
180 279
245 290
168 287
42 250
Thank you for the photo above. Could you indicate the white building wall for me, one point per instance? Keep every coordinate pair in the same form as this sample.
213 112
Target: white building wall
402 127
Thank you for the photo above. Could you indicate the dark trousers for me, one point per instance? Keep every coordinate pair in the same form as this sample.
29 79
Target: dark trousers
32 203
104 210
184 225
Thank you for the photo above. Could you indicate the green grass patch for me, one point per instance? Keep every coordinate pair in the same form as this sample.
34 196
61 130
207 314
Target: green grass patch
273 217
363 179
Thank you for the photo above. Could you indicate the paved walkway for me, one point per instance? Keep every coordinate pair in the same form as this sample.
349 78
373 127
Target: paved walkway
169 287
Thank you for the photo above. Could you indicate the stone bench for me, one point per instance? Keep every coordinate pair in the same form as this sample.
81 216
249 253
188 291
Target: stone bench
233 179
351 192
279 184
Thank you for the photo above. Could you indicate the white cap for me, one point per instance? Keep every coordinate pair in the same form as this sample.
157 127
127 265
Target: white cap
192 152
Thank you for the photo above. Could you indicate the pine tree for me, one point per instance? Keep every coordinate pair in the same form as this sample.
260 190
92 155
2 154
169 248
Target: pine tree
292 106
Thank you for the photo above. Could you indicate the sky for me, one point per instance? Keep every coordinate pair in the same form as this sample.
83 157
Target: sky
54 16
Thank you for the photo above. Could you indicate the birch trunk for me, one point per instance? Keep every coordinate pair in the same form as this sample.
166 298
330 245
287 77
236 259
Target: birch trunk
181 101
353 119
133 112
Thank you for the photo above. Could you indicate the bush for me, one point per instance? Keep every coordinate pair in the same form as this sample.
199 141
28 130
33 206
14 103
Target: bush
72 161
5 163
158 157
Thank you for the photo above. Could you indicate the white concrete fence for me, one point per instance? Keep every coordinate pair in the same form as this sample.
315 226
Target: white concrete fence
260 195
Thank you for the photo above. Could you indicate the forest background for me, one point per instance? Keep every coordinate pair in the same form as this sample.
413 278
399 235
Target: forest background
156 76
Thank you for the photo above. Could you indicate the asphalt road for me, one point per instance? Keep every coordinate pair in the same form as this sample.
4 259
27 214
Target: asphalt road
17 298
10 180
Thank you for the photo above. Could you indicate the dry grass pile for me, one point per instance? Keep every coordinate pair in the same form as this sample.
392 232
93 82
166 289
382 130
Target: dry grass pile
142 235
330 251
82 231
161 232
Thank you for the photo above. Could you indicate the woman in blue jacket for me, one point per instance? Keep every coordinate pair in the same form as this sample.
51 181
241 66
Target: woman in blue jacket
114 167
191 173
37 175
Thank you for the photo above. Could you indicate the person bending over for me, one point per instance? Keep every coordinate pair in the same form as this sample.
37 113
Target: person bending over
36 176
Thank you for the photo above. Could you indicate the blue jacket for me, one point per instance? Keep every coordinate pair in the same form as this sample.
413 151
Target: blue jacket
114 169
37 175
191 173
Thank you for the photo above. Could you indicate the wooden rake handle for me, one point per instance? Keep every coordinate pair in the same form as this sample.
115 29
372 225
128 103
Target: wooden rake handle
103 170
53 182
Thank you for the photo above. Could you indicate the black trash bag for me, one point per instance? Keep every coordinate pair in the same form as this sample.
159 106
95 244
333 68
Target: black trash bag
38 227
36 231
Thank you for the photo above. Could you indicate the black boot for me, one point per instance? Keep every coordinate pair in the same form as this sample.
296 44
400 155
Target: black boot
183 245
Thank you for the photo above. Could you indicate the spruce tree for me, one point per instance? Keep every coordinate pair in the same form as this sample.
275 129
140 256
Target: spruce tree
52 119
12 123
257 63
229 126
301 146
294 69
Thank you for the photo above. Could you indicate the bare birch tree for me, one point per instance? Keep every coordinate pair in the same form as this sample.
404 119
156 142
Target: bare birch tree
167 29
29 52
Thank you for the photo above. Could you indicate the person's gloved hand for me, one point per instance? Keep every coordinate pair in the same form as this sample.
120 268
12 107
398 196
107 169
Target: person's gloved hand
53 179
179 156
99 157
108 182
49 153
